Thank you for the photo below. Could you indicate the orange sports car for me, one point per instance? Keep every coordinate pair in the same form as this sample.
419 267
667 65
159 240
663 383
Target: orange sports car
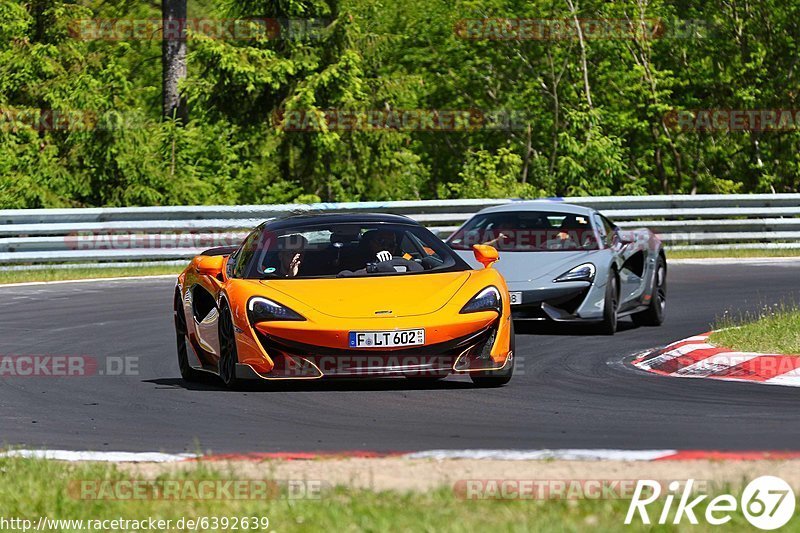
343 295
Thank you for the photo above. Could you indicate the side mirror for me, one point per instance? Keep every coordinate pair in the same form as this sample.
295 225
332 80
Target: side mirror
625 238
485 254
209 265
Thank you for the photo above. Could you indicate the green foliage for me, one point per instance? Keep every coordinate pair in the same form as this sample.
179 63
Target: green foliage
487 175
590 162
593 130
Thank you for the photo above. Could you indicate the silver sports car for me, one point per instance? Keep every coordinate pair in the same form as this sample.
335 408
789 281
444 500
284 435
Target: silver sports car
569 263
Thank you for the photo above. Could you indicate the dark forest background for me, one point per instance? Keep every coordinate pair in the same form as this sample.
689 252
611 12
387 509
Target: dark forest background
588 113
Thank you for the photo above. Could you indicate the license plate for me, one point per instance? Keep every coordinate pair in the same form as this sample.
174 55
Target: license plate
387 339
516 298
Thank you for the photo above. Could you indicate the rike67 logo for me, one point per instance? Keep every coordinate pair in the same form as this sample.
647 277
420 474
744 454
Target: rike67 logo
767 503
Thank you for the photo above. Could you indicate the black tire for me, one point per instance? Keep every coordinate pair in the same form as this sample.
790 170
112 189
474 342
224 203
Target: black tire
609 324
228 355
654 314
498 378
181 331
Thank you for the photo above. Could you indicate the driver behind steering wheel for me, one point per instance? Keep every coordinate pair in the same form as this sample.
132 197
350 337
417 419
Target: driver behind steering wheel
381 245
379 252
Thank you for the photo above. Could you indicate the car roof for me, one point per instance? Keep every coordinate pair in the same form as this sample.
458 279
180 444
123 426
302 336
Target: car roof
556 206
306 219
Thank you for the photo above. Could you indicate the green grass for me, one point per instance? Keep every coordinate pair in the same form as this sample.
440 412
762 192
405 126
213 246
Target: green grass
56 274
712 254
775 329
33 488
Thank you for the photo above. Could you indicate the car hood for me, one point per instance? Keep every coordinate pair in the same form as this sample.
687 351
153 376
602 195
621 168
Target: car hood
529 266
374 297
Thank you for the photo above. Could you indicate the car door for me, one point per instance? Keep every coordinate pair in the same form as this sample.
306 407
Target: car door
205 291
630 265
205 313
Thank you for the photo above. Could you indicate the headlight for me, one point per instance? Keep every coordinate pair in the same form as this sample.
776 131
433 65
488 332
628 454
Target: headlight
486 300
260 309
584 272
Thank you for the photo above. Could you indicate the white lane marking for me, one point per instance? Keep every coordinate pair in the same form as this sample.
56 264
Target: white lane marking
696 339
673 354
715 363
526 455
789 379
477 454
117 457
692 339
474 454
88 280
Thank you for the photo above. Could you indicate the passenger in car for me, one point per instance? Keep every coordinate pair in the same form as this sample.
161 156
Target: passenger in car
290 254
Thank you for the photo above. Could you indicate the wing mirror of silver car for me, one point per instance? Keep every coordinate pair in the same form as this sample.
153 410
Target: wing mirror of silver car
624 238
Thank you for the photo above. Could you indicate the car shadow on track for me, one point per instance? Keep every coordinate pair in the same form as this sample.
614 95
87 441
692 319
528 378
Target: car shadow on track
211 383
532 327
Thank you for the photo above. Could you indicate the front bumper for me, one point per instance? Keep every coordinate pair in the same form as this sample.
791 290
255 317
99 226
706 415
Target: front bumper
297 360
560 302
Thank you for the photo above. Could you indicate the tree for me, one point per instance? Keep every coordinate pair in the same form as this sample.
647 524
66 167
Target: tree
173 57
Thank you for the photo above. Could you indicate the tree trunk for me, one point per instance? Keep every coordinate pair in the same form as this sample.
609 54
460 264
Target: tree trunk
574 10
173 57
528 151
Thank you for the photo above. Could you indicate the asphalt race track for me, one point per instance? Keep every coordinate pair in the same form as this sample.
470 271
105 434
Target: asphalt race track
572 389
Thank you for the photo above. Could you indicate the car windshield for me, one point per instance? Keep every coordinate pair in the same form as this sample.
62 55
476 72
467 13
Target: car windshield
345 250
527 231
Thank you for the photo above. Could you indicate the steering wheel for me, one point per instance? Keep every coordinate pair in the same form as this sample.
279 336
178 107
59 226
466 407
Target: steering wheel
389 266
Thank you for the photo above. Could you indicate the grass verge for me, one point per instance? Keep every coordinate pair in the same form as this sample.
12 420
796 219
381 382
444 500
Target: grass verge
775 330
61 274
34 488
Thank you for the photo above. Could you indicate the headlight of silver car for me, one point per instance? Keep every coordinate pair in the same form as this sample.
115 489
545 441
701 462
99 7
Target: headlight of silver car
486 300
584 272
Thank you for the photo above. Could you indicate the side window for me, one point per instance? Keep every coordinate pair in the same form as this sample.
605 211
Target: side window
415 247
231 263
244 254
609 229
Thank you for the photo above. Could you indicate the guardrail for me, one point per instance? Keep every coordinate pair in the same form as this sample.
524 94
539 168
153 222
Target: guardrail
40 236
